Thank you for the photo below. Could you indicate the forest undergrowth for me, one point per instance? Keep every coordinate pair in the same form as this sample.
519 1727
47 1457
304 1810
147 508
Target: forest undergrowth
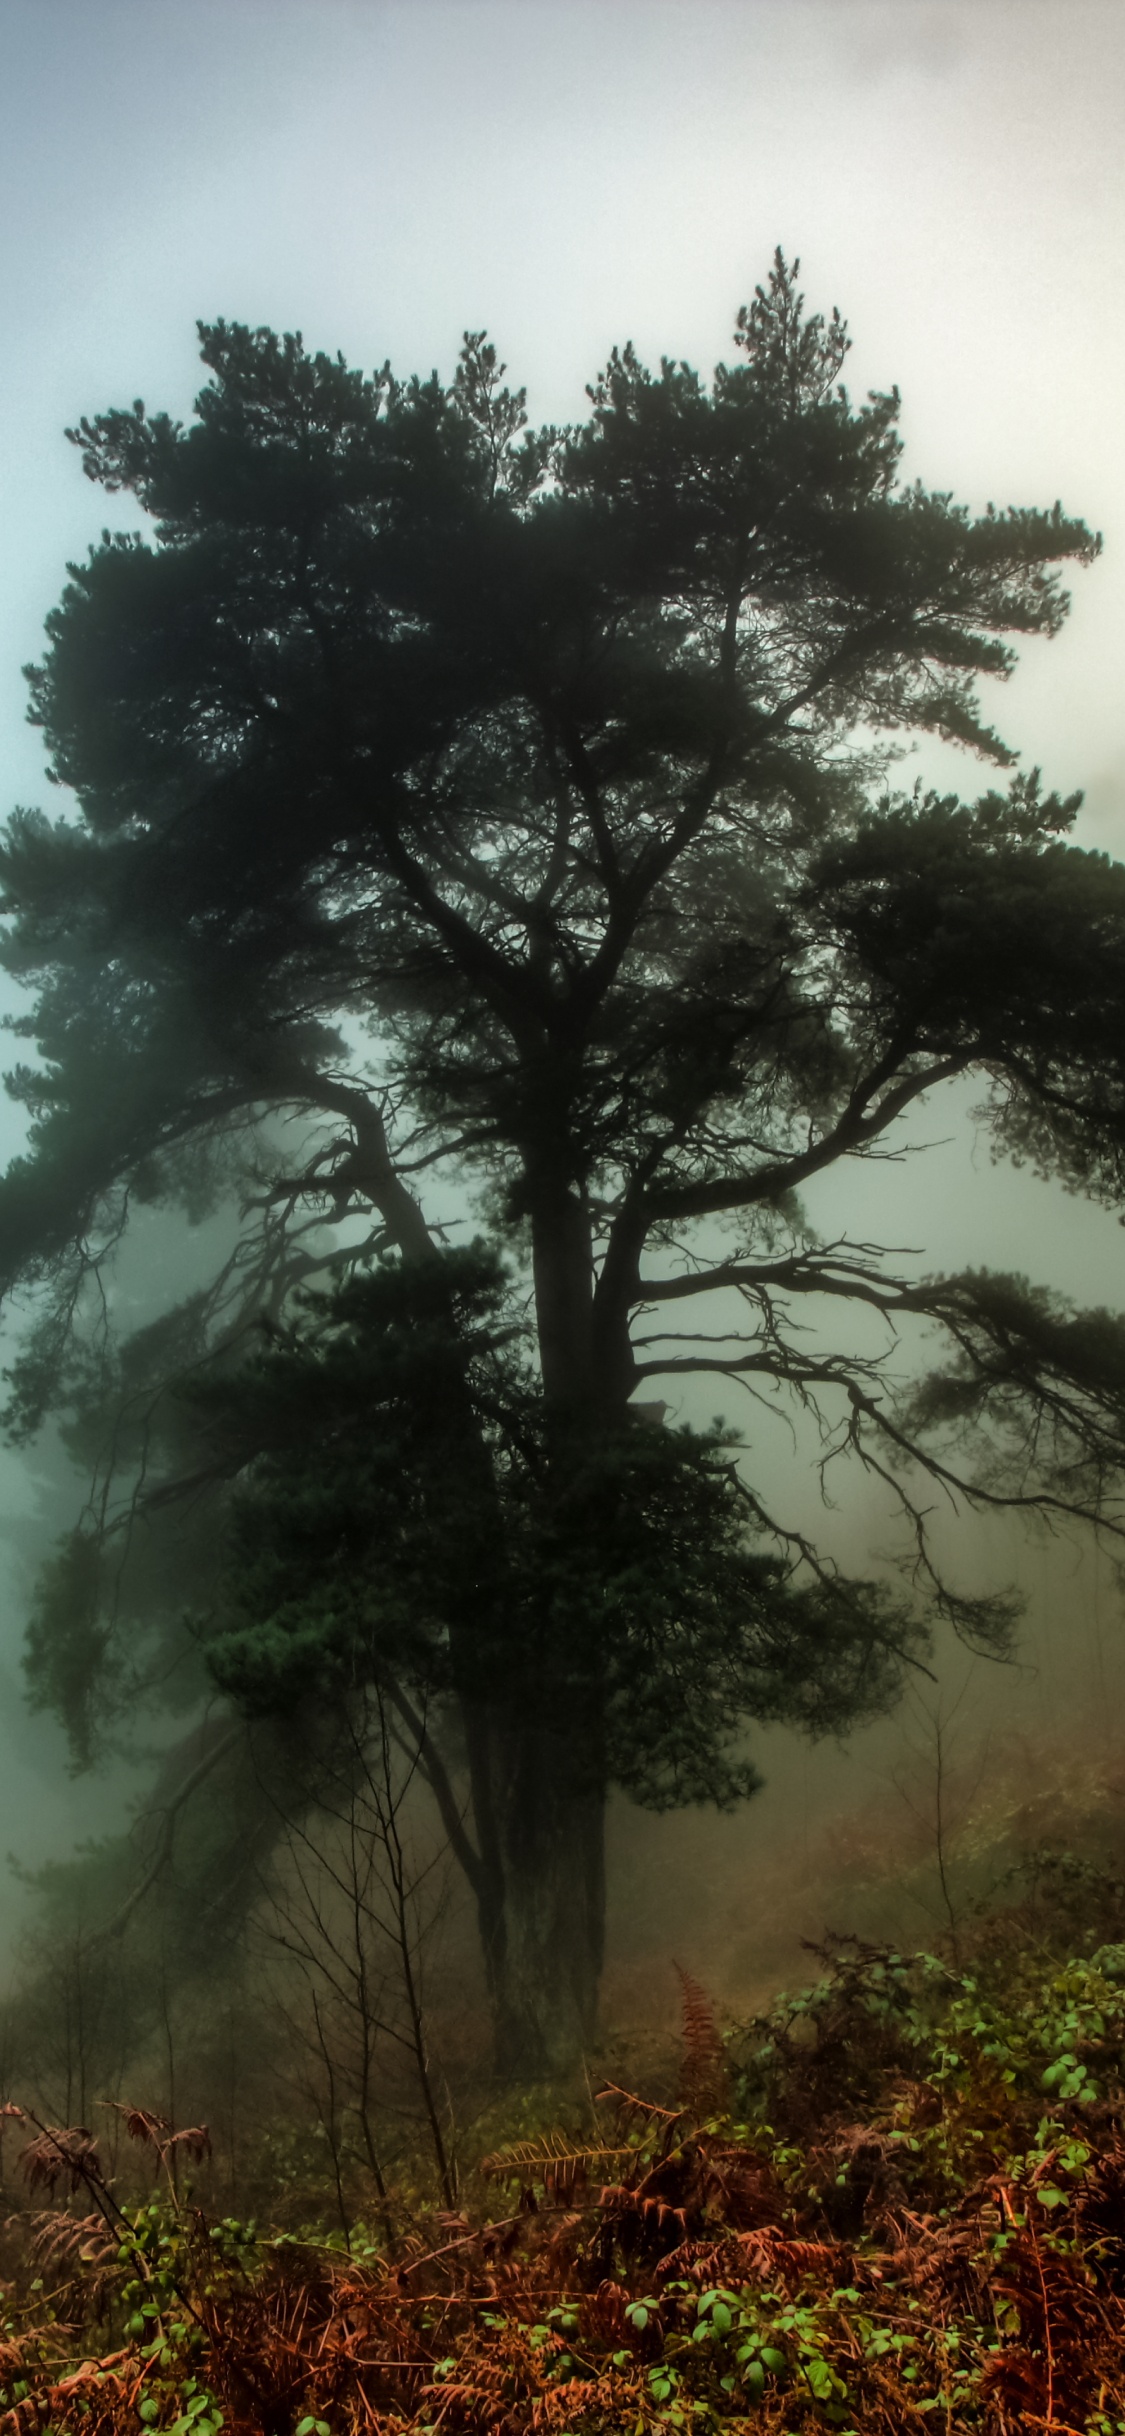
894 2200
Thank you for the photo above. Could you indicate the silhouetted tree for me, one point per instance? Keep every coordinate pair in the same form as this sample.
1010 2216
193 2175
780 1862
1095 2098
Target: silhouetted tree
467 816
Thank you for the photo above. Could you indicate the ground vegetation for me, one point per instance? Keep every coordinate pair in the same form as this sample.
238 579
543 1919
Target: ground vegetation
895 2197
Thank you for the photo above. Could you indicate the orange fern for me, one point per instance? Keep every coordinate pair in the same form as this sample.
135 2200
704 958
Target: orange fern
703 2060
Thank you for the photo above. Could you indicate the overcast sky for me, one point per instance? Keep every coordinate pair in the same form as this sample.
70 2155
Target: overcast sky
570 173
384 175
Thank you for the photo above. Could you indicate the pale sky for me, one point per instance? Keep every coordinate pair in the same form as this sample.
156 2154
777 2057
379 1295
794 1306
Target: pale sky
570 173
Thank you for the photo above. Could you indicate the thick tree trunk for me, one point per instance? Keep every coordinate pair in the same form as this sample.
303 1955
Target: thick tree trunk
537 1764
562 1262
540 1818
536 1776
554 1871
537 1867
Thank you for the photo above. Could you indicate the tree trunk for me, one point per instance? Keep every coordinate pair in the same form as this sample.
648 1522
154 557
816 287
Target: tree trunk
535 1746
542 1900
555 1887
538 1772
563 1269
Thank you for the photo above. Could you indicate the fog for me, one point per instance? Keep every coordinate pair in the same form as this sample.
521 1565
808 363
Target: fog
569 175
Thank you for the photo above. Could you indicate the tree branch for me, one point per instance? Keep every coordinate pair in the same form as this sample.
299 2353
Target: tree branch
373 1169
171 1811
434 1770
855 1129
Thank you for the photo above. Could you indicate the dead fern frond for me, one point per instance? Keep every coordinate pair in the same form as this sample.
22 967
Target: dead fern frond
563 2170
703 2061
59 2240
771 2253
603 2312
195 2141
643 2113
157 2132
104 2393
60 2153
149 2129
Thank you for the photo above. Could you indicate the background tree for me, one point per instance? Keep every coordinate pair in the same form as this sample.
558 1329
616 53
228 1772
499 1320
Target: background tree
468 816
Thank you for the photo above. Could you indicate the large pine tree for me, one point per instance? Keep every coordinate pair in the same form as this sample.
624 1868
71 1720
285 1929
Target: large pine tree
467 818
